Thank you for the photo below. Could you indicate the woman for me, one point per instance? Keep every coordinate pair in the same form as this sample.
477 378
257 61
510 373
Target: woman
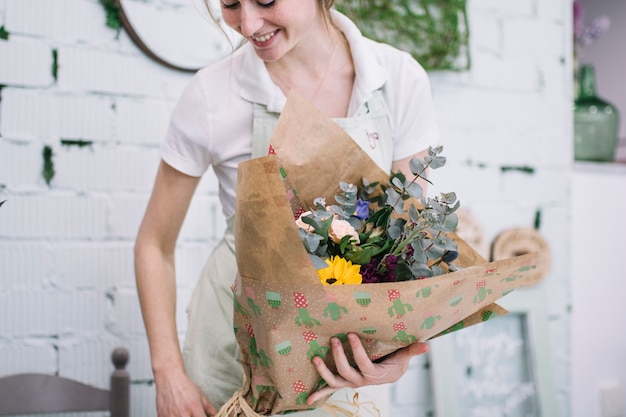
379 95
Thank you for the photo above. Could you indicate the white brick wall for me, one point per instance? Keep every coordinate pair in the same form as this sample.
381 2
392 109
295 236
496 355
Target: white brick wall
67 292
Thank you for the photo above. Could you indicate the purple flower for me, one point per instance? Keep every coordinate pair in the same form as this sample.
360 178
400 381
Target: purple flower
579 19
371 274
362 209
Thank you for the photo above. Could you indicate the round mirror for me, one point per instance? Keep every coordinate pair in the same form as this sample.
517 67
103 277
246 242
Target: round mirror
179 34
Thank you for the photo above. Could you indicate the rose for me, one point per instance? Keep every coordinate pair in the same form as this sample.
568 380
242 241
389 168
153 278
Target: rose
341 228
302 225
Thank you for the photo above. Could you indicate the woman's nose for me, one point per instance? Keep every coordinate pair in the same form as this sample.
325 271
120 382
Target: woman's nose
251 19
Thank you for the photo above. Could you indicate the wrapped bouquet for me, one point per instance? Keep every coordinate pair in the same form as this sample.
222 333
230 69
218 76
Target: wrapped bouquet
284 315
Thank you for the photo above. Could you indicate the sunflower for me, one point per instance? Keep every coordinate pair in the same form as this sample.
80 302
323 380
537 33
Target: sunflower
339 271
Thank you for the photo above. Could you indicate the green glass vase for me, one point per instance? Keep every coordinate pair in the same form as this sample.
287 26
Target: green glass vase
596 122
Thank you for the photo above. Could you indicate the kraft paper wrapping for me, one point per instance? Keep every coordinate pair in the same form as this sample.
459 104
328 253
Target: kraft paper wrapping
284 315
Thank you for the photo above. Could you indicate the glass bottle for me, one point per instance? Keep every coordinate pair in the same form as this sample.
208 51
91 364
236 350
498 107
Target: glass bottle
596 122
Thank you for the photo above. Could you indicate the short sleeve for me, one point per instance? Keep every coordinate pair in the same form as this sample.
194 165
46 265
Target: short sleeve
186 144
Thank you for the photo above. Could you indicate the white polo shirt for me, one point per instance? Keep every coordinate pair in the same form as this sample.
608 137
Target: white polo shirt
211 124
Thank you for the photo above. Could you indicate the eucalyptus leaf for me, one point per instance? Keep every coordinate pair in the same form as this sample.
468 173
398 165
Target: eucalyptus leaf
318 263
435 252
417 166
438 162
394 232
421 271
415 190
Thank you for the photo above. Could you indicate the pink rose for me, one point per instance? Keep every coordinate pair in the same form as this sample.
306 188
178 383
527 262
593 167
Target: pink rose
341 228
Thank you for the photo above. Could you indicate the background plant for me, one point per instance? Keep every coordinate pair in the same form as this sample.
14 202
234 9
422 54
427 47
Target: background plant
435 32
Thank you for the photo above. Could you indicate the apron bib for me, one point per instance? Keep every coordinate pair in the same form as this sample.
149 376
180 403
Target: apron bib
211 354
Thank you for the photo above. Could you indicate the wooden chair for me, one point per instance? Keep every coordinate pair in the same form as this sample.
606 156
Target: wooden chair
40 393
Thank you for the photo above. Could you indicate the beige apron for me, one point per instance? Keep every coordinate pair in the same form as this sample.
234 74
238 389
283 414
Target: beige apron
210 352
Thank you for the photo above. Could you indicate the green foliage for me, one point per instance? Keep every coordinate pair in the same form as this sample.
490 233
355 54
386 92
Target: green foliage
48 165
4 35
402 234
435 32
112 14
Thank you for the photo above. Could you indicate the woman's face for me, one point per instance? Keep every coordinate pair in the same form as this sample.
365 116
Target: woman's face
275 27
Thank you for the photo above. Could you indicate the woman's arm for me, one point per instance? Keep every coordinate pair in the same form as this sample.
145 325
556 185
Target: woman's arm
156 285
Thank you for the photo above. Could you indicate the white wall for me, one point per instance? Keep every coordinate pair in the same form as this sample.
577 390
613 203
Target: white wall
598 283
67 293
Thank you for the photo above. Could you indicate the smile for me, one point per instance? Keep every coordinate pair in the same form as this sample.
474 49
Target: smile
264 38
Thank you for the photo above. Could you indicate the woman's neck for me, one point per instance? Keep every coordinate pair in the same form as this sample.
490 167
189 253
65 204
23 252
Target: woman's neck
325 78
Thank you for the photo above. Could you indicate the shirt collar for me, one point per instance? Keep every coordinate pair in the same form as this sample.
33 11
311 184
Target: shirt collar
257 86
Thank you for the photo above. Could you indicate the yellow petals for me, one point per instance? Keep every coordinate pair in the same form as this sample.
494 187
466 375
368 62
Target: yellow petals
340 272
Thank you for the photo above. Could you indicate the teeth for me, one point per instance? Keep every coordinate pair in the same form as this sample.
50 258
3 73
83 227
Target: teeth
264 38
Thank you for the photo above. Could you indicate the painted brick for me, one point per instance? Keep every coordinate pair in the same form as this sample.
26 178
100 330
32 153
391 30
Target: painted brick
20 165
554 10
86 359
125 315
557 283
142 121
28 355
190 259
25 62
34 114
92 265
60 20
24 265
139 365
104 168
144 400
486 33
522 8
82 68
50 313
53 215
126 212
541 40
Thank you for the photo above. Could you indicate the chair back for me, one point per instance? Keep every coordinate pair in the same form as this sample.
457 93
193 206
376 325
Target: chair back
41 393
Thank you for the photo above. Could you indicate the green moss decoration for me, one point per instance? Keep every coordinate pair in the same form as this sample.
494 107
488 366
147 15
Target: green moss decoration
525 169
80 143
538 216
55 64
48 165
112 14
2 202
4 35
435 32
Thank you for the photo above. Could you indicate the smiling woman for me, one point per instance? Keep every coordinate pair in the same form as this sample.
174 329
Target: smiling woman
179 35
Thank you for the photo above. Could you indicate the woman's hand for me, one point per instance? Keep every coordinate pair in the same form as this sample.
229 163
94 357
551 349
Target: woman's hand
178 396
367 372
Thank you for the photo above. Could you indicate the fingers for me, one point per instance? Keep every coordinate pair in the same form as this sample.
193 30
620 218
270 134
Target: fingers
209 409
347 371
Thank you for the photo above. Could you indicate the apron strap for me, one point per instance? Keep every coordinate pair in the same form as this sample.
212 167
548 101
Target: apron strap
263 126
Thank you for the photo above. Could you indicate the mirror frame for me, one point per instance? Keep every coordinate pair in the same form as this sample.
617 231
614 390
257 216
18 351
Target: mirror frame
134 36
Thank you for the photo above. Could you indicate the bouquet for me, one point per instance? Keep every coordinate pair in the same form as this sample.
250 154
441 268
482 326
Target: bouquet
284 315
370 236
